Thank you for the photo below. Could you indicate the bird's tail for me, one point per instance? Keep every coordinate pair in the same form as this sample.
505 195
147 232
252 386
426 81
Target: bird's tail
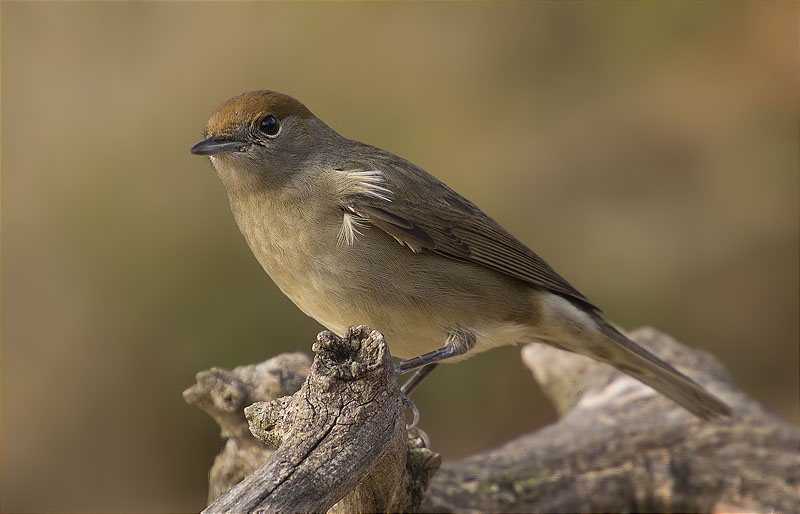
649 369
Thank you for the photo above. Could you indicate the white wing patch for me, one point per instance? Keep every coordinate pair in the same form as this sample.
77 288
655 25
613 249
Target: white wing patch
354 183
351 223
359 182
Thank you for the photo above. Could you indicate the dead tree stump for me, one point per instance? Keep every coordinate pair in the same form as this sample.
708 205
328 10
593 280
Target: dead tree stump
341 439
342 445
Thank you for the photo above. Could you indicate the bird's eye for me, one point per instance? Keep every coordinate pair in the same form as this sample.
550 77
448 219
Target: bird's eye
269 125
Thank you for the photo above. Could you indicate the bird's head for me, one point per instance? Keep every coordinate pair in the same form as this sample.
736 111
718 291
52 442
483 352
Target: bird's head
263 136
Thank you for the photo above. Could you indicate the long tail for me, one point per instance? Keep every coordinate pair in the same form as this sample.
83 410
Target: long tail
646 367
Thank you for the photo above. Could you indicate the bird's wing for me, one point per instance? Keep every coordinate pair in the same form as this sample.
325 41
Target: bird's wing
421 212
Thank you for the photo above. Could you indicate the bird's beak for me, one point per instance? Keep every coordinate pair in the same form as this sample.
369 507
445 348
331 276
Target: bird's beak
217 144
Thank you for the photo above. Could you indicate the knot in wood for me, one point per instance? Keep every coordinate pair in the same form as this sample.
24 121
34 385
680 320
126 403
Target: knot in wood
351 357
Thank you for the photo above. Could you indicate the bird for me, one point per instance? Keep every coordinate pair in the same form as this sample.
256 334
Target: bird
354 234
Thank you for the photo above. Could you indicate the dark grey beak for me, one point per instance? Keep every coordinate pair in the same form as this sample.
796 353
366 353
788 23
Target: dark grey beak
217 144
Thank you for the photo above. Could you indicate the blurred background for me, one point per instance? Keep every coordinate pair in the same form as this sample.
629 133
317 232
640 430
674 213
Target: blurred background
648 150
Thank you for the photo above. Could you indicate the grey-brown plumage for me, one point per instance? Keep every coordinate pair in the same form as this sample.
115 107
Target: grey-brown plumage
354 234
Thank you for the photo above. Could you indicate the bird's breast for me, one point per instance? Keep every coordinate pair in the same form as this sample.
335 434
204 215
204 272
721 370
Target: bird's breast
412 298
291 242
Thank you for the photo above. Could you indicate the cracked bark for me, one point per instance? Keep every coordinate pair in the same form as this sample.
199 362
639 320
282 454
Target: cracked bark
224 394
341 439
618 445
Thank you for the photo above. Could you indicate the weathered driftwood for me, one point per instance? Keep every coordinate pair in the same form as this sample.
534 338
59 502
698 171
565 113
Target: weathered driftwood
341 440
618 445
224 394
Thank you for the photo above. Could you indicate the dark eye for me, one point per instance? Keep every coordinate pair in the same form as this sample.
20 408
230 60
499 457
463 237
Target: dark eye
269 125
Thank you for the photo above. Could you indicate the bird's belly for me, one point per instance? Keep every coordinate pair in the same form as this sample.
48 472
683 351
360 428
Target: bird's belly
414 299
415 312
339 292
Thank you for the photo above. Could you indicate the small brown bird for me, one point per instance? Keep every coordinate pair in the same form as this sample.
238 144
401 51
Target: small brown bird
354 234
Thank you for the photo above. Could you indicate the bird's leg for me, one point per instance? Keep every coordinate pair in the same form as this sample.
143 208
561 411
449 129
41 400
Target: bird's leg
459 341
417 377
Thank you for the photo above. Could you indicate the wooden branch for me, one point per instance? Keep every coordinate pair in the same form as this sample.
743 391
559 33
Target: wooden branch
341 439
618 445
224 394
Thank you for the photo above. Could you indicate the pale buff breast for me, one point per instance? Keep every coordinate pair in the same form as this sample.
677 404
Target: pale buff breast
349 285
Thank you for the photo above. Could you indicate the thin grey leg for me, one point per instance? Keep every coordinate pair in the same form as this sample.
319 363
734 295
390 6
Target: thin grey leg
417 377
459 341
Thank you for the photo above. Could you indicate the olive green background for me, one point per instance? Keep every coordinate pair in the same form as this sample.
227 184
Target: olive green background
647 150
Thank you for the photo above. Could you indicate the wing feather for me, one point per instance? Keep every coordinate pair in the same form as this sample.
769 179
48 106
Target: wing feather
427 215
